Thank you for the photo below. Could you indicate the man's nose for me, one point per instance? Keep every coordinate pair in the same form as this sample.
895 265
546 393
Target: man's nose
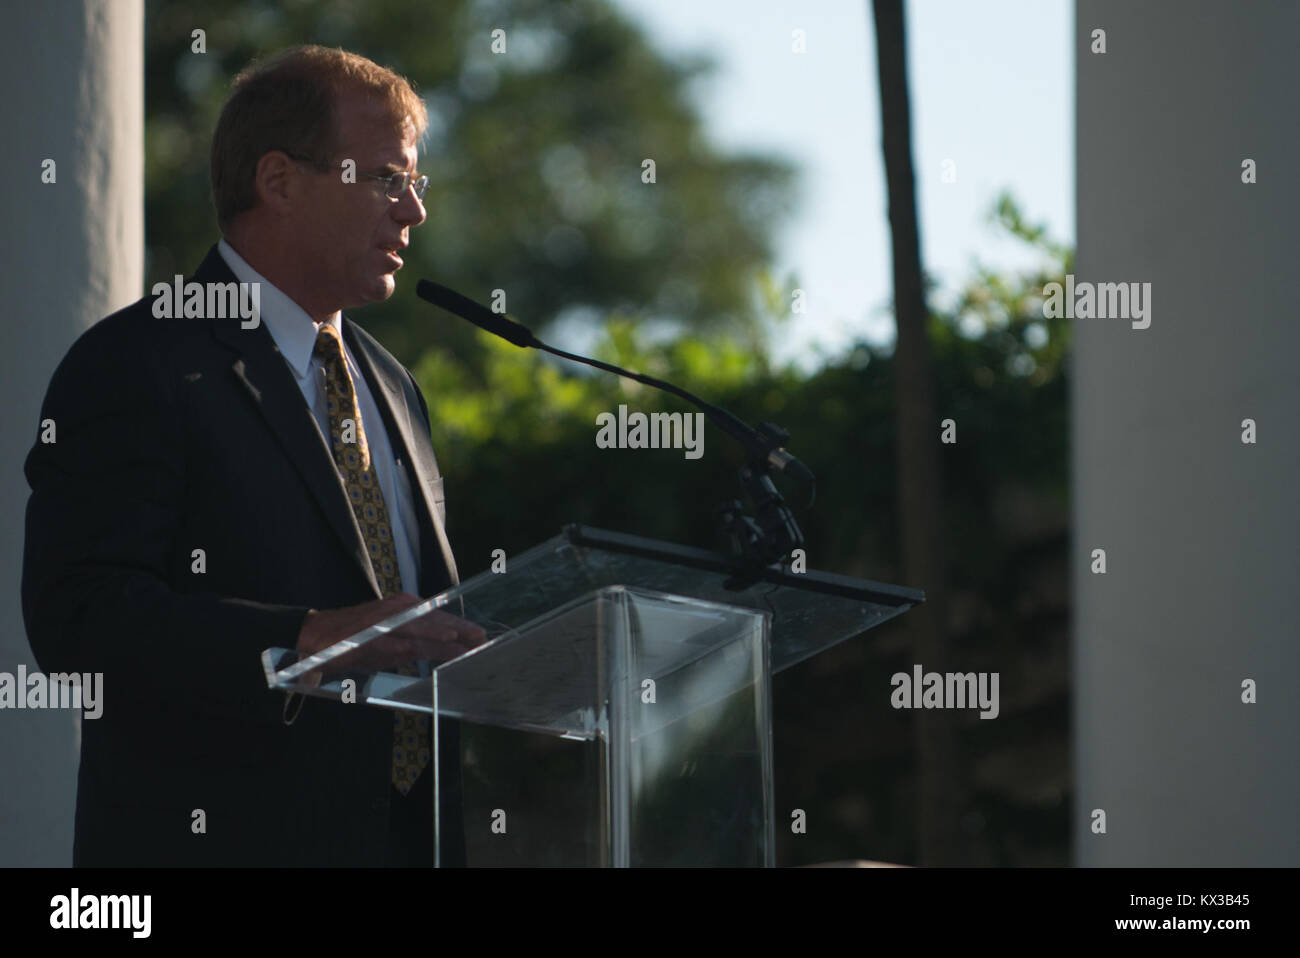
409 210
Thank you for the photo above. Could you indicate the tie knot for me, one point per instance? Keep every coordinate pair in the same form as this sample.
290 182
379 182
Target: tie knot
327 342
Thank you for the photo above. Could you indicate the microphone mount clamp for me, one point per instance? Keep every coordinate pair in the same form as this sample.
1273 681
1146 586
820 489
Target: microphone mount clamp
768 536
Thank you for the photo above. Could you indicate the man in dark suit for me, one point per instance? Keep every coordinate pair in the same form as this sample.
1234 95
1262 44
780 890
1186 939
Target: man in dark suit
216 487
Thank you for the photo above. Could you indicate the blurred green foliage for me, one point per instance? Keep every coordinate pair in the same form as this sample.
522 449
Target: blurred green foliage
1000 371
534 156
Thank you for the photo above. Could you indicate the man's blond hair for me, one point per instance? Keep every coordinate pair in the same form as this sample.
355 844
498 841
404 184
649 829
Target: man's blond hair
288 102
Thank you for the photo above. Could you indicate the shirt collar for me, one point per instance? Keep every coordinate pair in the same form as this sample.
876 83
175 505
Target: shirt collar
293 330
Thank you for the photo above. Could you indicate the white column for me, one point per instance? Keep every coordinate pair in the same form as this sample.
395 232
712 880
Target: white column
71 252
1201 532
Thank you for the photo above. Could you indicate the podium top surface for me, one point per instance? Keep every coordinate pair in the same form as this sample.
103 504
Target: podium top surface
811 611
804 612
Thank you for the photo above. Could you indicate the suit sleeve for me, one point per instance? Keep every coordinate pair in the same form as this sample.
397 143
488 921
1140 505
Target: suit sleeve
101 552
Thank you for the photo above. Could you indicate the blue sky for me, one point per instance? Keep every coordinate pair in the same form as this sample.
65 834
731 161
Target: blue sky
992 90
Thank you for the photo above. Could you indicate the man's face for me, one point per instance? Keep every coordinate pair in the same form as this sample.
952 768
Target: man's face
351 233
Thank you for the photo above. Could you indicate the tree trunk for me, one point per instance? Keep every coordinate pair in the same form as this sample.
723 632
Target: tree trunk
938 778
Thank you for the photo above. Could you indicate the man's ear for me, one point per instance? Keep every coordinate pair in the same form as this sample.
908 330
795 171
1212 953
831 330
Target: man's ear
276 181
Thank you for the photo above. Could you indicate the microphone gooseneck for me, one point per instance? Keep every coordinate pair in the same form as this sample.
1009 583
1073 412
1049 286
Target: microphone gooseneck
764 445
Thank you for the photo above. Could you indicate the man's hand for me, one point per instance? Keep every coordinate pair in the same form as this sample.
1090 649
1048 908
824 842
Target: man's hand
436 636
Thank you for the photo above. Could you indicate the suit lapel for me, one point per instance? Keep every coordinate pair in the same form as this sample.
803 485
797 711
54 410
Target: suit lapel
263 373
387 388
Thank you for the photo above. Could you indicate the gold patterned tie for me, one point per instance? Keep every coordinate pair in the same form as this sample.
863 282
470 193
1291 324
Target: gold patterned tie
352 456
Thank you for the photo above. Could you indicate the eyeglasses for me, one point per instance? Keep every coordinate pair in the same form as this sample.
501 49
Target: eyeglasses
397 183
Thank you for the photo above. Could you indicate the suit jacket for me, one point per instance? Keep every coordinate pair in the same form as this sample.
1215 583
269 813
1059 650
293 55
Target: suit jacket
176 435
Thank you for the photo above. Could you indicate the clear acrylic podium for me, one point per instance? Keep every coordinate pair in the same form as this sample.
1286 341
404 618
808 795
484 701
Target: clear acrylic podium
620 713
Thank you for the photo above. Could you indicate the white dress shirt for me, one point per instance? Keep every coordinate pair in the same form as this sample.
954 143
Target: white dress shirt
295 333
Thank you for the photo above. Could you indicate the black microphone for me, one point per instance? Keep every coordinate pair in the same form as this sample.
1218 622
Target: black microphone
764 445
480 316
